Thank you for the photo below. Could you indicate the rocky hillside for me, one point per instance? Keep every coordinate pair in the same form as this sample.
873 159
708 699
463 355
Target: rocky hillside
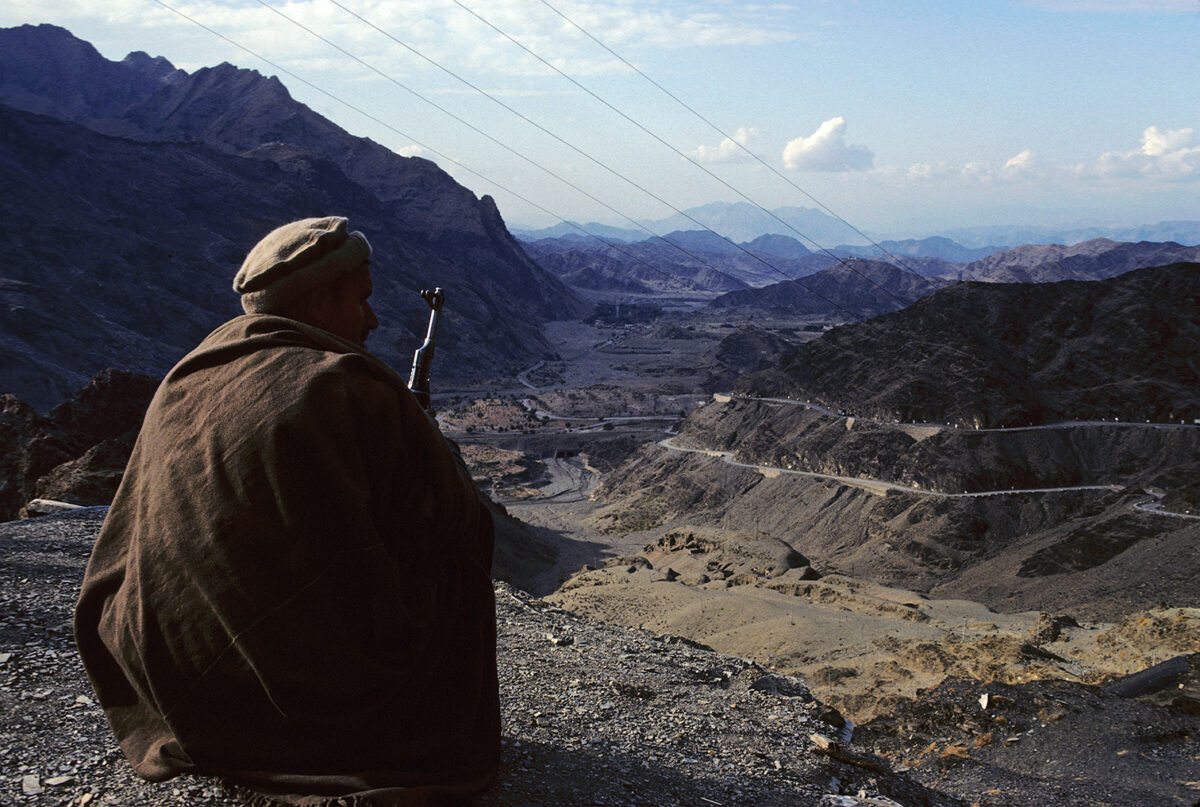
1097 259
855 288
133 190
1013 355
592 713
1054 551
951 460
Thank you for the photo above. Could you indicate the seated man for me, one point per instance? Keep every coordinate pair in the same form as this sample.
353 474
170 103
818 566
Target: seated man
292 589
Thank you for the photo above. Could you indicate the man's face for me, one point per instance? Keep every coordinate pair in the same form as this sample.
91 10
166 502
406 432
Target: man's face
345 310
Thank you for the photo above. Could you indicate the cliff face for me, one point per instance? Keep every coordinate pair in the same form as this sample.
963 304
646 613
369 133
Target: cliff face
130 205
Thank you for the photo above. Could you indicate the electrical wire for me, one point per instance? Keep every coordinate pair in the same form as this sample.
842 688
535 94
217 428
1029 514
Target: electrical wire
675 150
559 139
403 135
837 259
831 302
721 132
610 244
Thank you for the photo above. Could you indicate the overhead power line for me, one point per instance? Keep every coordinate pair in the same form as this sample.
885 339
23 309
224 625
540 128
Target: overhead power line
724 135
718 130
449 159
557 138
478 174
489 137
675 150
594 160
396 131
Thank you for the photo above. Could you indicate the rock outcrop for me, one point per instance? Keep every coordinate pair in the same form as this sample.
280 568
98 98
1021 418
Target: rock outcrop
78 452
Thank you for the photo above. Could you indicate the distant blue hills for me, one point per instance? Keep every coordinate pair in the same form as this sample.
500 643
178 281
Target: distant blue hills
742 223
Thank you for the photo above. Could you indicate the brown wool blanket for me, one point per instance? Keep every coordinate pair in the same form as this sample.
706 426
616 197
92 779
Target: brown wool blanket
292 588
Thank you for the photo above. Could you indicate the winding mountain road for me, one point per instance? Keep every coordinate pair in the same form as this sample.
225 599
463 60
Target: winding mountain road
726 397
875 486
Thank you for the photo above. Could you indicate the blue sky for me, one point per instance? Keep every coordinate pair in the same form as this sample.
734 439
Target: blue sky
903 117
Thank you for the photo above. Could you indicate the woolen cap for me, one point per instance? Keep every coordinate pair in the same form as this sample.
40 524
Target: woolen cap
295 259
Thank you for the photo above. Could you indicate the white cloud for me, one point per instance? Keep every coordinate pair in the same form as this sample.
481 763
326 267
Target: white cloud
926 171
439 29
728 150
1173 154
826 150
1025 164
450 35
979 171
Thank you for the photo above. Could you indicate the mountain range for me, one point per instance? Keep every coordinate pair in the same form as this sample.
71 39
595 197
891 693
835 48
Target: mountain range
1097 259
134 189
778 273
742 221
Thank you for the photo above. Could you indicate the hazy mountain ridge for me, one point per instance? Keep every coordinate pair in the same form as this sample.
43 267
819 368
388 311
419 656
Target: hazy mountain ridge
673 262
738 221
936 246
1181 231
678 261
124 244
1013 354
1097 259
743 222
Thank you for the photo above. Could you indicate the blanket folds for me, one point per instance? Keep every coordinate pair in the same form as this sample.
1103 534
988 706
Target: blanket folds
292 588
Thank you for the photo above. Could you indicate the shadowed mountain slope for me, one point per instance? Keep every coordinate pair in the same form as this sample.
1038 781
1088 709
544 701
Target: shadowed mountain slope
126 227
859 287
1014 354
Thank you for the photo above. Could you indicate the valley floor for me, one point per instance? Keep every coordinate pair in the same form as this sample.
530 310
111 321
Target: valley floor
662 534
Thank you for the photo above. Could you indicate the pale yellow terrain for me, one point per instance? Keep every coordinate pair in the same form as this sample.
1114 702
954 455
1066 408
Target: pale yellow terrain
858 644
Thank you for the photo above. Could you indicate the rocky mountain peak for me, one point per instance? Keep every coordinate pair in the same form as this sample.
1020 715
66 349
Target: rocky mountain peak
154 66
143 181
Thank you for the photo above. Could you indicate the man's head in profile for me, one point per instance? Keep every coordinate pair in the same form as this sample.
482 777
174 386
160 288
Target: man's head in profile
315 272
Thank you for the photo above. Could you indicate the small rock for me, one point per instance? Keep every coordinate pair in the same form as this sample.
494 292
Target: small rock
822 742
30 785
4 657
59 781
782 685
85 700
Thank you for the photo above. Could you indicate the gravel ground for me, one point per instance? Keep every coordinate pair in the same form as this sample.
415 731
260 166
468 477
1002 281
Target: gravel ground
593 714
